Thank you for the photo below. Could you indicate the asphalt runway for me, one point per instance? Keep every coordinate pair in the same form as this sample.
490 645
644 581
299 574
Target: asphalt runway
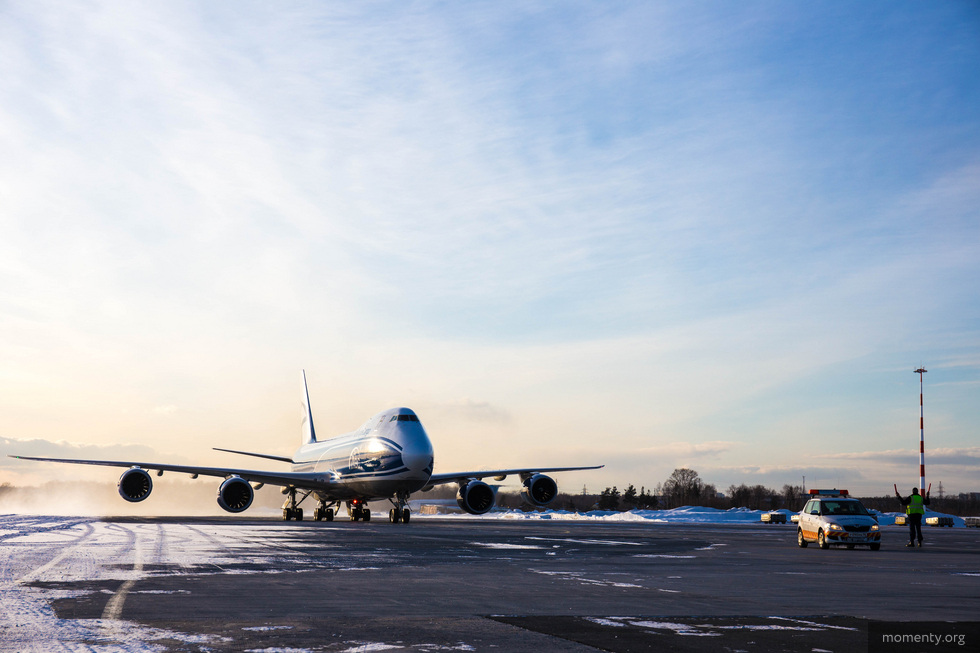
437 584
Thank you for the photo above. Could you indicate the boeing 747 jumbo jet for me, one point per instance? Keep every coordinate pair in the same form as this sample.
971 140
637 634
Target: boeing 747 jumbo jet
388 457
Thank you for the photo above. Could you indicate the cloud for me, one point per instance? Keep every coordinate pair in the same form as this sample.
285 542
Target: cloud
791 474
944 456
63 449
469 410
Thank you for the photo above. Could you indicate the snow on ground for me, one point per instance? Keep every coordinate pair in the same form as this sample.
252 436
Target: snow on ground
683 515
33 549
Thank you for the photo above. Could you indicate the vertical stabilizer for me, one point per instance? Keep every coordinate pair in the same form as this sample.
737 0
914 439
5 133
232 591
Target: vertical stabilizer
309 433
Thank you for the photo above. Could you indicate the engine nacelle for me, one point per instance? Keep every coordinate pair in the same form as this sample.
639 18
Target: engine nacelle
235 494
476 497
539 490
135 484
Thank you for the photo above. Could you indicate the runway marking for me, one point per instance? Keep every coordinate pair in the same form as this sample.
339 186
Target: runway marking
113 609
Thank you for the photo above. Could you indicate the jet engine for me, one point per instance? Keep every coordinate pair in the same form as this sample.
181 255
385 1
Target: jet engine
235 494
539 490
134 484
476 497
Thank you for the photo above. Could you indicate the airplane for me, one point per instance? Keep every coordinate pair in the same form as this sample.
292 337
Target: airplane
388 457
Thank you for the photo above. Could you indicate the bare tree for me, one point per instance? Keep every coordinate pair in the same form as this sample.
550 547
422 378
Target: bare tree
683 487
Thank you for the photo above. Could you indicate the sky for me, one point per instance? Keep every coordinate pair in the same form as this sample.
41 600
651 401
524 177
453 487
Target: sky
646 235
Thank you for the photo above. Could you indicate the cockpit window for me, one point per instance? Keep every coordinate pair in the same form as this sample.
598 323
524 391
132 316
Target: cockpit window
404 418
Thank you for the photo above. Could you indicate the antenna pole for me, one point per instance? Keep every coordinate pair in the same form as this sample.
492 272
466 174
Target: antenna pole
922 437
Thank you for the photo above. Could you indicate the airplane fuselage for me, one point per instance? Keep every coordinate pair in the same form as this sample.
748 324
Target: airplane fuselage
390 454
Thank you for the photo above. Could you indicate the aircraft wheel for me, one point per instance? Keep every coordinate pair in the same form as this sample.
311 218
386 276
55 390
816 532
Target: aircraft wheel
800 540
287 514
366 514
355 514
299 514
393 516
406 516
317 514
822 540
328 514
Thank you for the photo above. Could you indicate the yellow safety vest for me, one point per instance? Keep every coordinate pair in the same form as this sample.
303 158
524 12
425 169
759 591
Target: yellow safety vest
915 507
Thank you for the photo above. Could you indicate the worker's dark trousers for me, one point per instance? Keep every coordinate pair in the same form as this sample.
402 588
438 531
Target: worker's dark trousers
915 527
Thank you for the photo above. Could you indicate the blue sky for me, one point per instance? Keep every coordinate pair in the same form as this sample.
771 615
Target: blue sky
651 235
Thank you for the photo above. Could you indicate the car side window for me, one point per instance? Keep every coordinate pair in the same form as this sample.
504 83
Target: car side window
815 508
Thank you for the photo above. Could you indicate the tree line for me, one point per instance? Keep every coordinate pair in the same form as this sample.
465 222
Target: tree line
685 487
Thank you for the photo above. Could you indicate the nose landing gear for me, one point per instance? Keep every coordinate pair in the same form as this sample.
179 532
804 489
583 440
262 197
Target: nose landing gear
358 511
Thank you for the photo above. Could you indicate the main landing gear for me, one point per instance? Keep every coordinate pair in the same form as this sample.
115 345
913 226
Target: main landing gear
291 509
400 513
357 508
323 512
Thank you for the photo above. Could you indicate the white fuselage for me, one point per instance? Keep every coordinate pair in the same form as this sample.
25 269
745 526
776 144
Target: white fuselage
390 454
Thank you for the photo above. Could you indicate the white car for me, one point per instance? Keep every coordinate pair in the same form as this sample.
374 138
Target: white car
831 517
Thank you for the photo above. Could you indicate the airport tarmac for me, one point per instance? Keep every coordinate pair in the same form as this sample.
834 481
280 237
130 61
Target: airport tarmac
439 584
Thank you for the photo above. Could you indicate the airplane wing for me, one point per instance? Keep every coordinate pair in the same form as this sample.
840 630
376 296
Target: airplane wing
295 479
499 474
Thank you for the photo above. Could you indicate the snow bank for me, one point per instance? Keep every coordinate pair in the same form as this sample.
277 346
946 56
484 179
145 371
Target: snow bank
682 515
888 518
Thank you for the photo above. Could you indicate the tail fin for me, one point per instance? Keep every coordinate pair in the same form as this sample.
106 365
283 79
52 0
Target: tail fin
309 433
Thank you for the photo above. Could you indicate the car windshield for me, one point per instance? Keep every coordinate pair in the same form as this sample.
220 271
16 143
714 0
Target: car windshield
843 508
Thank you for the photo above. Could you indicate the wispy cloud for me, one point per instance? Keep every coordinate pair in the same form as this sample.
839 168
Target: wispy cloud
661 224
967 457
73 450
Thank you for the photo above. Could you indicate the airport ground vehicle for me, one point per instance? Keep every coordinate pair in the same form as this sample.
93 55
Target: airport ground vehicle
831 517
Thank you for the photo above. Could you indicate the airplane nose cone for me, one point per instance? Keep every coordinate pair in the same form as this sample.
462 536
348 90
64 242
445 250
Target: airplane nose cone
417 456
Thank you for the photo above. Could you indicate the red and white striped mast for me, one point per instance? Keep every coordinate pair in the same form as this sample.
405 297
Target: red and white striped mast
922 437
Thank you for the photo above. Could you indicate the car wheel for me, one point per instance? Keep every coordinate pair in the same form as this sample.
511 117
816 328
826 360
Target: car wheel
800 539
822 540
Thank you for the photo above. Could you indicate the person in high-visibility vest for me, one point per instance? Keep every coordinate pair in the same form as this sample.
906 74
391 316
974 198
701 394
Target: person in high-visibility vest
915 508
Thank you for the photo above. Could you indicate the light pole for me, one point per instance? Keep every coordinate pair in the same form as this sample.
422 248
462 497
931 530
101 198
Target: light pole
922 437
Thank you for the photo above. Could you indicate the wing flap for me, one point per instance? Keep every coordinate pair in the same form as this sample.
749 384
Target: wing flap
282 459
